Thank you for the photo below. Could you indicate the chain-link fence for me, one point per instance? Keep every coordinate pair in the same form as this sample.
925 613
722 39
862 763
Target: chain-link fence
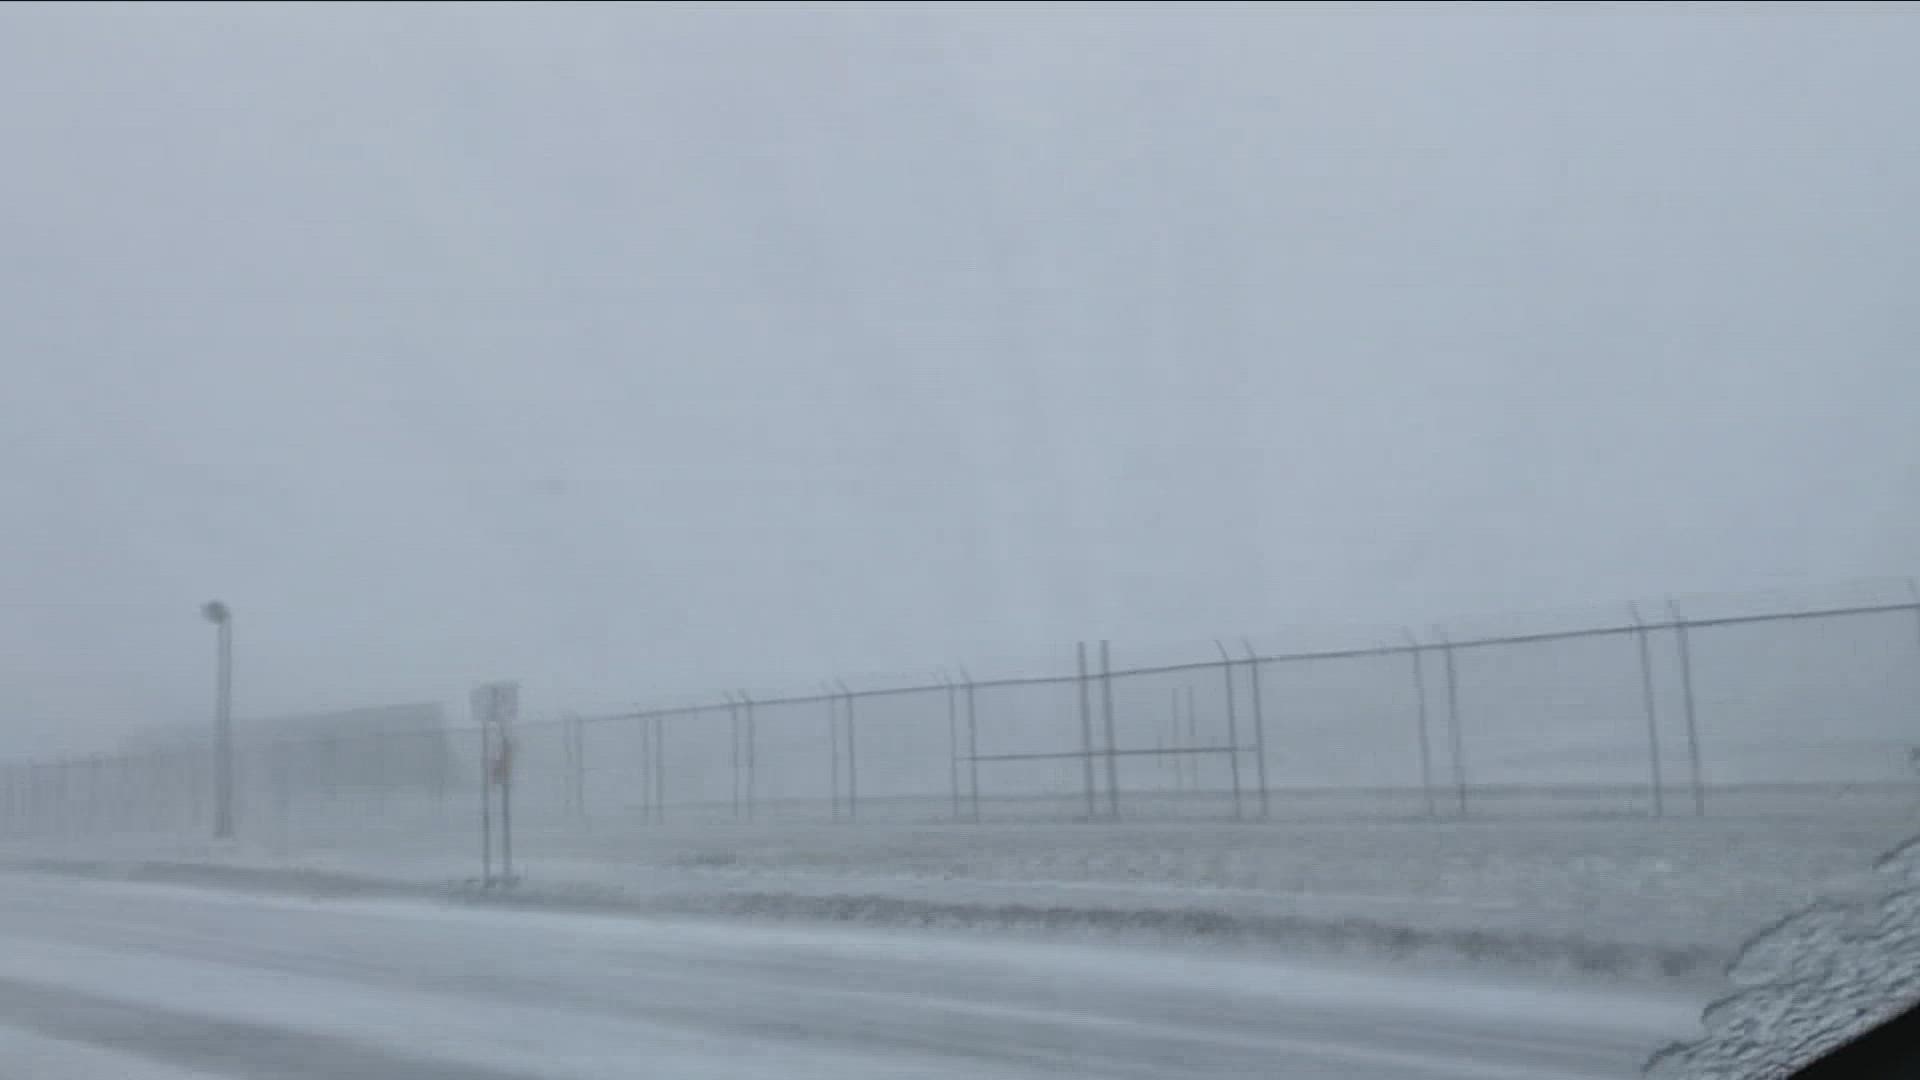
1689 712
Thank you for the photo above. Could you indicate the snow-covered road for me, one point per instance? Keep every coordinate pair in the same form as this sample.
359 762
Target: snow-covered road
101 979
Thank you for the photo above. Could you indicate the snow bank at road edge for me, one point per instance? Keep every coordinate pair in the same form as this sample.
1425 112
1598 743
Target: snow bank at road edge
1811 982
1494 947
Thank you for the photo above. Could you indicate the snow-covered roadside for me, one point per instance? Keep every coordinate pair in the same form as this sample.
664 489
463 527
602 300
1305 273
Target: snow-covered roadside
1811 982
1396 929
39 1057
1645 899
248 984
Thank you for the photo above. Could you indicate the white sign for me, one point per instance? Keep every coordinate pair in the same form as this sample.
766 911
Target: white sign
496 705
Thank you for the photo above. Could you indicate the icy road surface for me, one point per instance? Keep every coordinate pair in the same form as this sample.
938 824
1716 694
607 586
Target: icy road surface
131 982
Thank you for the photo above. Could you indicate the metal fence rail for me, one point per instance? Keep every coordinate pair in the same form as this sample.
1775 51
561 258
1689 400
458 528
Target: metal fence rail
1077 738
1587 719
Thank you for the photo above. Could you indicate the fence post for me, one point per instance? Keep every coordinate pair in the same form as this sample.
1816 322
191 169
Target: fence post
1176 742
660 767
1161 758
650 761
442 753
650 738
1424 732
833 744
853 760
953 742
1454 738
733 747
1233 728
1686 700
506 810
1653 720
564 728
1170 741
645 718
486 804
1193 742
1913 589
973 747
1106 712
1086 724
1259 727
753 751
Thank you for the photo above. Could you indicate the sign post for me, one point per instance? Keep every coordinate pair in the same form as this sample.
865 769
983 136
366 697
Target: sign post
495 707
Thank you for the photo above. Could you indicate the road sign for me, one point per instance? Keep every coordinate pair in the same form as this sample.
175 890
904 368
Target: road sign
497 704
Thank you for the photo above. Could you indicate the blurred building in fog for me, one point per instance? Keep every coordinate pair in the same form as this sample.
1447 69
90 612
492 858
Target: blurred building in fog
384 748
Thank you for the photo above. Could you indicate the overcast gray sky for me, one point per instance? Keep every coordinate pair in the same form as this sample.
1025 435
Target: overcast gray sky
636 351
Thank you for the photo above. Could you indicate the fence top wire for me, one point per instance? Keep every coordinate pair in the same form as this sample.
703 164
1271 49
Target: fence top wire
1673 621
1670 618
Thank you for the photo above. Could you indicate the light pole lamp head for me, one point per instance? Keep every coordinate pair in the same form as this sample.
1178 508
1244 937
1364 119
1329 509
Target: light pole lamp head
216 612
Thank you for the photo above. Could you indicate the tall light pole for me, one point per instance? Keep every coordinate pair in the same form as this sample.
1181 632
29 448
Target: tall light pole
221 617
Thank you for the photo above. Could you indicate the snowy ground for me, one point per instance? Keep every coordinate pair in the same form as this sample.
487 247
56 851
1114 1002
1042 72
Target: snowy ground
1616 896
1812 982
797 949
134 982
1679 880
